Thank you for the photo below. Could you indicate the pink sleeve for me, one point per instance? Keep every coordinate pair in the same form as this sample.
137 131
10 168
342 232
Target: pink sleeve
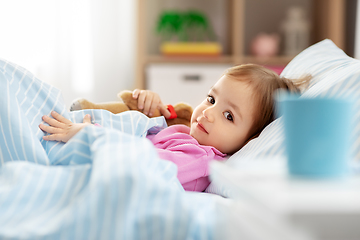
176 145
192 163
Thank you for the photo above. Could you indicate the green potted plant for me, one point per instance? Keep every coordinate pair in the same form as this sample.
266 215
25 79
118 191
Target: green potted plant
187 33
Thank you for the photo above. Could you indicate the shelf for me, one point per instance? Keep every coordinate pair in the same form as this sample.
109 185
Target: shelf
169 59
236 23
278 60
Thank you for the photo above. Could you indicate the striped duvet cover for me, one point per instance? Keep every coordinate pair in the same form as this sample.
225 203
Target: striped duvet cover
105 183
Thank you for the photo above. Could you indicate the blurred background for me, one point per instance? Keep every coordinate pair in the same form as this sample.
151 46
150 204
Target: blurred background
95 48
86 48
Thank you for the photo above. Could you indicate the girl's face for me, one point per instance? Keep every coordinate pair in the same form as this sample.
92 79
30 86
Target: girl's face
224 119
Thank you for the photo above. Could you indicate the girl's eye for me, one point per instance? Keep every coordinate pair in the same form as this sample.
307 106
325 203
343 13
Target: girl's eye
211 99
228 116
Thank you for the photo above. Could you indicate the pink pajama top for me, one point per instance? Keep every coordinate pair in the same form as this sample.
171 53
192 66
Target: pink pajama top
175 144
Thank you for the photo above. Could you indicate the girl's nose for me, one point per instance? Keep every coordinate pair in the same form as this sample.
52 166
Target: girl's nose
208 114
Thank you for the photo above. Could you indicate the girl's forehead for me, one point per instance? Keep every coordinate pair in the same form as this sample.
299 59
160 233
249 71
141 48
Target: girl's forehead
235 91
232 84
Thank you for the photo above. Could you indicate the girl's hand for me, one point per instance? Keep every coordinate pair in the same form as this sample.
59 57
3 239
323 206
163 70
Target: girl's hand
148 101
62 129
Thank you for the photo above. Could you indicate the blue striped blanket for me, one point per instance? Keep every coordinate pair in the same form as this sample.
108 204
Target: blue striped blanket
105 183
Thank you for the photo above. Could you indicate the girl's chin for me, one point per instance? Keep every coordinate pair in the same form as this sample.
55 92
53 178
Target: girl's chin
194 135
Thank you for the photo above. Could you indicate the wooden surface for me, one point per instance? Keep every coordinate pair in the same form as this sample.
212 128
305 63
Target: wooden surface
328 22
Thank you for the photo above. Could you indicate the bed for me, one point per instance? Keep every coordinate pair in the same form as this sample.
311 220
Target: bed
108 182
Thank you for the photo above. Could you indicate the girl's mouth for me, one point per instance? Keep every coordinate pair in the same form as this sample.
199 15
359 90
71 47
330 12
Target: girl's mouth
201 127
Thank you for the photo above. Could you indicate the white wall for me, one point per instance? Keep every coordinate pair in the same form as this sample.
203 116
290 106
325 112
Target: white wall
357 32
114 47
84 47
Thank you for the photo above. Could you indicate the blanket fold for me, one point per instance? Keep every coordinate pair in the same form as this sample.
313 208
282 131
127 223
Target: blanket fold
105 183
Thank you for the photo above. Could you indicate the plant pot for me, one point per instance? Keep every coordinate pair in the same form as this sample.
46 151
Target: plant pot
191 48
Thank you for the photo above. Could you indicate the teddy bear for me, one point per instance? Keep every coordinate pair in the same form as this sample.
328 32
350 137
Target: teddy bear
180 112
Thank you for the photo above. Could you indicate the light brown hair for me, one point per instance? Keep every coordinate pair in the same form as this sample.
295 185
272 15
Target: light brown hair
264 83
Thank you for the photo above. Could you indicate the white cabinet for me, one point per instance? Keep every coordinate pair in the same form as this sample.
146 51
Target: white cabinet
189 83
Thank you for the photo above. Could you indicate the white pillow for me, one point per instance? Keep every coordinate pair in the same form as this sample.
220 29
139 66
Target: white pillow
333 74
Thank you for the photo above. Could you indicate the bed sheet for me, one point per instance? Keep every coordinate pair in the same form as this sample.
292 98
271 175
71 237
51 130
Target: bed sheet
105 183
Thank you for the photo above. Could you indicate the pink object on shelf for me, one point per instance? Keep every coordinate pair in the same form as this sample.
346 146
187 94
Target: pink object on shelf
265 45
277 69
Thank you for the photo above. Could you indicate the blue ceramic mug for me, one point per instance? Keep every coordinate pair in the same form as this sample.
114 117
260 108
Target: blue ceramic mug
317 135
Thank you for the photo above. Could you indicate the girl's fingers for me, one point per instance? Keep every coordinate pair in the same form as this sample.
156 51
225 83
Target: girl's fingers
141 99
164 111
156 104
148 101
50 129
147 105
52 122
60 118
135 93
87 118
152 110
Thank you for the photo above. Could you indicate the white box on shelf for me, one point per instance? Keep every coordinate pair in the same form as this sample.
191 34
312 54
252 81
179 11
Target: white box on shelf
189 83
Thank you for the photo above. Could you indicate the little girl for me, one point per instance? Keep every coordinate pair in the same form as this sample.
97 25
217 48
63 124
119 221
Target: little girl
238 107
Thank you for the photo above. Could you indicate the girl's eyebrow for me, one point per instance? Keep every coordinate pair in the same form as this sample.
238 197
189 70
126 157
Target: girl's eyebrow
235 107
